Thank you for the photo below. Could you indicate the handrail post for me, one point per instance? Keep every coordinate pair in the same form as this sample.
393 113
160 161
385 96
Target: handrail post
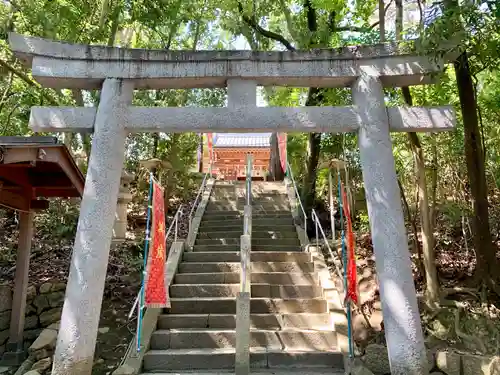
242 357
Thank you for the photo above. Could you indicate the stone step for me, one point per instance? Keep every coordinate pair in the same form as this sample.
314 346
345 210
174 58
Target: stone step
194 267
260 321
227 305
256 256
257 234
275 278
226 338
223 358
258 291
255 247
222 215
256 206
301 370
257 224
219 240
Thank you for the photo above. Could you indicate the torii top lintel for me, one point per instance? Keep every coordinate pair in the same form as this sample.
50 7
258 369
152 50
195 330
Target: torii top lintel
63 65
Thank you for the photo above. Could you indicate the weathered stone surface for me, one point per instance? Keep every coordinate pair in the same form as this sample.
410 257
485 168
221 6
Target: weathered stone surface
31 292
4 369
125 370
448 362
45 288
494 367
47 339
5 319
55 326
50 316
4 335
32 372
103 330
5 297
56 299
30 309
57 287
376 359
31 335
359 368
41 303
42 365
475 364
31 322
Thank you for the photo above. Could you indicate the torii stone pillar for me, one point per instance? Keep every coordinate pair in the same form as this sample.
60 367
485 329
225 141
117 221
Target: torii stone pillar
402 325
82 304
366 69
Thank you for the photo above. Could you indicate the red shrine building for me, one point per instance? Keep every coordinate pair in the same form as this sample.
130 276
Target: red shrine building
230 151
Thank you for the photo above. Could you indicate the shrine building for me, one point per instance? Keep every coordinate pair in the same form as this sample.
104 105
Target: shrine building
229 155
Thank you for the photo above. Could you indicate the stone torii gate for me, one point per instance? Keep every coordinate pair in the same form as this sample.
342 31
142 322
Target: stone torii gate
117 72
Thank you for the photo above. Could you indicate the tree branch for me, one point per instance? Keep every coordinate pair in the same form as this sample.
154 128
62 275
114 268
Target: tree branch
362 29
28 80
267 33
288 18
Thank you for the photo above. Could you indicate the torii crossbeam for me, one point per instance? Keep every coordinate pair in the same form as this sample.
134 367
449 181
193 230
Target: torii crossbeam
118 71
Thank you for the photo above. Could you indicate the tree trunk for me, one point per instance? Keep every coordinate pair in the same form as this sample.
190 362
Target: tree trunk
487 264
429 258
308 192
200 165
381 19
276 172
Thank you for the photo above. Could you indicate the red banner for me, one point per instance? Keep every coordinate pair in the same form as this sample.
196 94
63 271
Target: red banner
352 285
282 139
155 290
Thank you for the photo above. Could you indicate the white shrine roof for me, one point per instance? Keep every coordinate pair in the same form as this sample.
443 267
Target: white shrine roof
242 139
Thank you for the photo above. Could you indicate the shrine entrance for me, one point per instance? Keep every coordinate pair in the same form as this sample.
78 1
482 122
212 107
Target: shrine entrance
229 152
117 72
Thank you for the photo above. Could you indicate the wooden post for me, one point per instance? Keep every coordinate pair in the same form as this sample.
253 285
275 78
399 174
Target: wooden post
15 350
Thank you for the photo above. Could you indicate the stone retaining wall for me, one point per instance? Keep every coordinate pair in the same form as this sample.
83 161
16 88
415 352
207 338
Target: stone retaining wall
446 362
43 307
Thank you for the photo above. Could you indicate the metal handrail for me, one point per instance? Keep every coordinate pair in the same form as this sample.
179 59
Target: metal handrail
289 168
175 221
198 196
319 229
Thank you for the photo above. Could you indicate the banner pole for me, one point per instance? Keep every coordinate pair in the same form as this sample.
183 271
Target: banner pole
146 244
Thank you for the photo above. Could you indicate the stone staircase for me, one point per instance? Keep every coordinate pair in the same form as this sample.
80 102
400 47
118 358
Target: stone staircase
290 318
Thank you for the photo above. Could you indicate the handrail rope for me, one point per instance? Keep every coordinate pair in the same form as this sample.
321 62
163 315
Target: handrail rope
318 224
297 195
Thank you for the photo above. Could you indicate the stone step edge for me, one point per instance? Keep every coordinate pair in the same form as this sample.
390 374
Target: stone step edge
253 284
313 274
252 329
215 299
211 351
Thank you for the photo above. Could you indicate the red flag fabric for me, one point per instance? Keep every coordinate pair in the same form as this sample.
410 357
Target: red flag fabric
155 290
352 283
282 140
